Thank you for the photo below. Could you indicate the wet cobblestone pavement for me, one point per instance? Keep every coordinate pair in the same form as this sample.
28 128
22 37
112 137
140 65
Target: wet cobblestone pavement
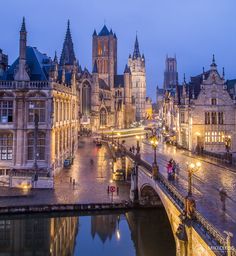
91 182
206 183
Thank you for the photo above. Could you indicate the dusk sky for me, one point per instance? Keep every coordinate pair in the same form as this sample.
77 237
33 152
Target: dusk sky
191 29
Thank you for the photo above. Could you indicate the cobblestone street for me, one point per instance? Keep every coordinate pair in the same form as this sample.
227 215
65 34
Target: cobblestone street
91 182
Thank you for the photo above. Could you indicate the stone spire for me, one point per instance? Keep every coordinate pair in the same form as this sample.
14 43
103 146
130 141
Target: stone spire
213 65
21 73
68 54
136 53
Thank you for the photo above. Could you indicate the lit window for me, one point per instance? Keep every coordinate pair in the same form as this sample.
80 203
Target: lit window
6 146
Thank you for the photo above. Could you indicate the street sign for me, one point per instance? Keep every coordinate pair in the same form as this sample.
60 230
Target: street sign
112 189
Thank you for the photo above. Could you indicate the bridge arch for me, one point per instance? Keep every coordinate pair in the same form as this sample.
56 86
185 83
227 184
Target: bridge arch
148 195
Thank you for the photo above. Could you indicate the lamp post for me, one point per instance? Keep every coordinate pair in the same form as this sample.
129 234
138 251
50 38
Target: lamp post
228 240
112 135
227 143
36 127
118 139
190 202
154 143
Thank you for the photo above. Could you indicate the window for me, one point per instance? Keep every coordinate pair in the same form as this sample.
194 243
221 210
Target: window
40 146
103 117
182 117
86 99
214 137
220 118
213 118
36 107
6 111
6 146
213 101
207 118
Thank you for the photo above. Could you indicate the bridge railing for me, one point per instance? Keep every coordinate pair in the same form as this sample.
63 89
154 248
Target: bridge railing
213 235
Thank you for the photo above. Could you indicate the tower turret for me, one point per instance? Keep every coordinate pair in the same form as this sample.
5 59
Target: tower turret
21 73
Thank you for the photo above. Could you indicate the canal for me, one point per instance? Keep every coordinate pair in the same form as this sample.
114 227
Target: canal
132 233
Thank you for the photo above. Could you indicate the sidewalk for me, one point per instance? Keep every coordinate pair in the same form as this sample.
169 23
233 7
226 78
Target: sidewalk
91 182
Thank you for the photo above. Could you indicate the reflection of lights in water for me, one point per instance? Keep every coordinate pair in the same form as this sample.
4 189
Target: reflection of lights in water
118 234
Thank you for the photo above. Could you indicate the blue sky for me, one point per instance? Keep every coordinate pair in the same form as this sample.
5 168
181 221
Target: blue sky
191 29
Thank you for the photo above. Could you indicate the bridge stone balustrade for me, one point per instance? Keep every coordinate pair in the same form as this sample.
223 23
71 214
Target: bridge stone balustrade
198 237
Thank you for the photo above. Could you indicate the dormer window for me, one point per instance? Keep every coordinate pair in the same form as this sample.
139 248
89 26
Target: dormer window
213 101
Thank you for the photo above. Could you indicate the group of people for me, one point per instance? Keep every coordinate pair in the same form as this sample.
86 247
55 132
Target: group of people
132 149
172 169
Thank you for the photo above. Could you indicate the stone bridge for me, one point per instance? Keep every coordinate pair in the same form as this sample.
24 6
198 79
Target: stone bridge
194 235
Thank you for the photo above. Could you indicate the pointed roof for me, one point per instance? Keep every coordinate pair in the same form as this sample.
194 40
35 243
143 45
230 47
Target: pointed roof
68 54
213 65
104 31
136 53
23 27
55 60
127 69
94 32
95 67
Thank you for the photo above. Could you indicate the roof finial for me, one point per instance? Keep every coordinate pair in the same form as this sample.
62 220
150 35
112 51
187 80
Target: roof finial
184 79
223 72
213 59
23 28
203 73
68 24
55 57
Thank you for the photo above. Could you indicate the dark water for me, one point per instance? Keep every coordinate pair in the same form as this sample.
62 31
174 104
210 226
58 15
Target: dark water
140 233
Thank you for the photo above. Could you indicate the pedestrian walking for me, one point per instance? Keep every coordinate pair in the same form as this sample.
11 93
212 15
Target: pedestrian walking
73 183
133 149
223 196
108 189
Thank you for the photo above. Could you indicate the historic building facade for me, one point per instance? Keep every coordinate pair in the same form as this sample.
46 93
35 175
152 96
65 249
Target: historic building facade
206 113
105 96
38 112
137 67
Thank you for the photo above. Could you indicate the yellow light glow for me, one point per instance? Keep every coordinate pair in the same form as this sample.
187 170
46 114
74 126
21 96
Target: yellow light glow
198 164
192 166
118 134
110 181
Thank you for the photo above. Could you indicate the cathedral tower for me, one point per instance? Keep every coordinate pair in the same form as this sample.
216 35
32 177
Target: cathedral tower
105 55
138 78
68 55
171 74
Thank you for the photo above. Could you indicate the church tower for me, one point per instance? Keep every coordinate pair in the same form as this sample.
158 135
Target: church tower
105 55
68 55
171 74
138 78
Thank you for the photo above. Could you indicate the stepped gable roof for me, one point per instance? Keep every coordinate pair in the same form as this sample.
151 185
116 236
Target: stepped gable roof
38 65
119 81
104 31
68 54
103 85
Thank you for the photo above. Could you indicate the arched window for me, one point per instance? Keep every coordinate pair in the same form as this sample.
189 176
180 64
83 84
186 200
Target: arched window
103 117
86 98
37 107
41 142
6 146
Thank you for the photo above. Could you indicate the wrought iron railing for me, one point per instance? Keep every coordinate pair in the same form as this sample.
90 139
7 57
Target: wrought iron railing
211 233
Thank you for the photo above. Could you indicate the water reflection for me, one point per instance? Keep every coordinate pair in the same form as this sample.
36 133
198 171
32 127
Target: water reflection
137 233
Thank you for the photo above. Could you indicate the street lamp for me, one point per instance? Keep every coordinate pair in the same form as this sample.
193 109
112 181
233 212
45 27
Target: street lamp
112 135
192 168
118 134
227 142
154 143
190 204
228 240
